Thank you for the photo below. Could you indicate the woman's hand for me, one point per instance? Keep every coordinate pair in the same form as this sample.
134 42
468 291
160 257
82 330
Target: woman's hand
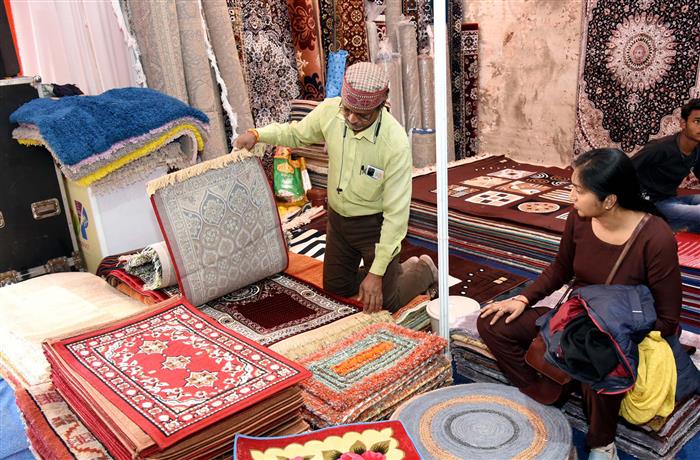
512 307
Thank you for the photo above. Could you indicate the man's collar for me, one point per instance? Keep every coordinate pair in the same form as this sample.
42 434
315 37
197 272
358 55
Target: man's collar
367 133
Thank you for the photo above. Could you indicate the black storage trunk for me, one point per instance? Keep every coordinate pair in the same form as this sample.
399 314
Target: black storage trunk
36 236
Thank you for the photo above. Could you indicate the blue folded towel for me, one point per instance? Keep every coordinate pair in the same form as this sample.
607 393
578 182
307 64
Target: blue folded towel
76 127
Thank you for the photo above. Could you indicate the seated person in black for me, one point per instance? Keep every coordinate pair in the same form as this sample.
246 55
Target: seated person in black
663 164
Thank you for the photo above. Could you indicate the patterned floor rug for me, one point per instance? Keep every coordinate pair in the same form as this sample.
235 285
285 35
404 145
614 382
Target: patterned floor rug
276 308
366 375
484 421
171 374
377 440
220 222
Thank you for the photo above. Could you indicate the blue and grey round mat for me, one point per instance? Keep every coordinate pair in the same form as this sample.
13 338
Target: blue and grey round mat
484 421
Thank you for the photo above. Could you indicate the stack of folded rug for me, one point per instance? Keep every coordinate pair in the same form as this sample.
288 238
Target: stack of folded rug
364 377
92 137
172 384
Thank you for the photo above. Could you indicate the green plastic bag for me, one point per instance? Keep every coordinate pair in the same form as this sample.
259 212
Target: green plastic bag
287 177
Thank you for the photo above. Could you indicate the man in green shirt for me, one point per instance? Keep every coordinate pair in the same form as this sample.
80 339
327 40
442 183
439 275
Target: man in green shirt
369 190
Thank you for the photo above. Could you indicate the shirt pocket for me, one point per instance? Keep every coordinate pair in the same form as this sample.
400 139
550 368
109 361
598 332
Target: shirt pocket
366 188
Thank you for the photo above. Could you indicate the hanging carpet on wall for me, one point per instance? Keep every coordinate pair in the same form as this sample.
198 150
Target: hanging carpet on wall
639 65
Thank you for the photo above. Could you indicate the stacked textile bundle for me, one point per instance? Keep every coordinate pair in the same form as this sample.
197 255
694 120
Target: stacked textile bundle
365 376
92 136
498 209
173 384
40 308
689 259
474 361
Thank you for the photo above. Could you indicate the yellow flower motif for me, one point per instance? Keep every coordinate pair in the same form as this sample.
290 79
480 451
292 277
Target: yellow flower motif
313 450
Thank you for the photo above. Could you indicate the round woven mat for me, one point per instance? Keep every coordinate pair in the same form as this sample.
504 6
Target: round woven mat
484 421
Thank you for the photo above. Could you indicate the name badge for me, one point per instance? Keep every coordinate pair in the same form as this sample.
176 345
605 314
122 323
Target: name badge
372 172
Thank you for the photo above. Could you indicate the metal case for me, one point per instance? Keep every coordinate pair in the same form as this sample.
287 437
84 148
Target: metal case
36 234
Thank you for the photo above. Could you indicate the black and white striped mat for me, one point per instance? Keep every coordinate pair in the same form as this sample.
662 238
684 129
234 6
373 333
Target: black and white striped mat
310 243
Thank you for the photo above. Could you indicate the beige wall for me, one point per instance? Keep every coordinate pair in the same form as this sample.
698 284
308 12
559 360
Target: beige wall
528 58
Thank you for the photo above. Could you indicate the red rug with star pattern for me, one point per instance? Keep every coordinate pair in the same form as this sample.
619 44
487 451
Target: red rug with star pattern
172 373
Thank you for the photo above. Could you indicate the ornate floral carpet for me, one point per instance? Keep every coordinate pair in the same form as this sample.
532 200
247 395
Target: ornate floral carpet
639 65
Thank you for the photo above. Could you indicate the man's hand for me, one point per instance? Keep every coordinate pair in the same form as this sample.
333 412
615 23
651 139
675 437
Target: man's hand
246 140
370 294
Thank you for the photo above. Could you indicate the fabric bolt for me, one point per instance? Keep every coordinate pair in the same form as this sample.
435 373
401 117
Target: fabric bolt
392 17
155 27
410 75
423 147
330 28
154 266
647 56
225 47
304 18
470 89
268 45
353 33
336 72
235 15
386 439
424 26
392 67
409 8
174 349
132 286
214 216
276 308
202 90
426 74
454 42
483 421
372 40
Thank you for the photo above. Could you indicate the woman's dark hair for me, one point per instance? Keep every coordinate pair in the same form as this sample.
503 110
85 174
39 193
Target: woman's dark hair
610 172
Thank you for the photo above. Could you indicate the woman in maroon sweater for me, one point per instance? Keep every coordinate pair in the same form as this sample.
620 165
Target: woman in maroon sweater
608 206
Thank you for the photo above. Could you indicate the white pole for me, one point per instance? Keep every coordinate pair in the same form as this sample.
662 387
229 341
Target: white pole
441 78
